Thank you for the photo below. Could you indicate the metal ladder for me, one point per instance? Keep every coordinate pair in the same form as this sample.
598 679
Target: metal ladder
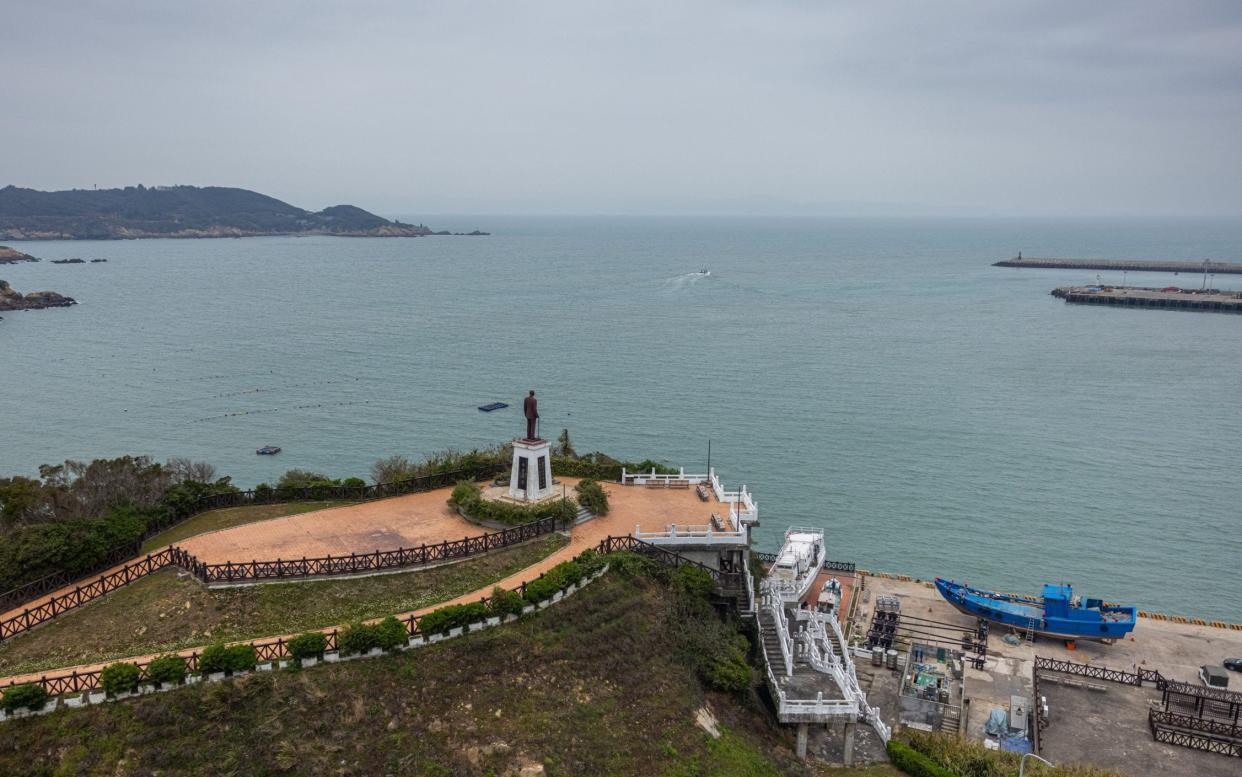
1031 623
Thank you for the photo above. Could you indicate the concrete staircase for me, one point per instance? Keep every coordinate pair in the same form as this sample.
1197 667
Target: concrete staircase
951 721
772 649
583 515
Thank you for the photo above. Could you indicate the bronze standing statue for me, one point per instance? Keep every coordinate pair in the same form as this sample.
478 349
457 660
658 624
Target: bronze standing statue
530 408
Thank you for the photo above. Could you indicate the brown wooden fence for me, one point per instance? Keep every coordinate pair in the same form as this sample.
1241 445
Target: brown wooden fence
60 683
35 589
726 580
267 650
252 571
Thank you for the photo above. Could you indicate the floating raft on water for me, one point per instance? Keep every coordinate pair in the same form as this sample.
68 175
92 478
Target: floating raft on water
493 406
268 450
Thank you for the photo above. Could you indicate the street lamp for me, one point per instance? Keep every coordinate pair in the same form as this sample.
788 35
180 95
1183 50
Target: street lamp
1022 762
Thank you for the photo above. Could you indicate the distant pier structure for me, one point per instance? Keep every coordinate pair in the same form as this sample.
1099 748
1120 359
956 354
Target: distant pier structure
1170 298
1122 265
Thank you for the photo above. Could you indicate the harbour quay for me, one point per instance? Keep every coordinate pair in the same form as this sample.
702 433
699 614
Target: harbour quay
1169 298
1123 265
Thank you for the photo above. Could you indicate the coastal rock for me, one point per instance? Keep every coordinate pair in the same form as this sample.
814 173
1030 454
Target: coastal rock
13 256
12 300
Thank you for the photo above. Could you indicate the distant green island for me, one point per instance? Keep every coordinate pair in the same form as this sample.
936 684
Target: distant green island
179 211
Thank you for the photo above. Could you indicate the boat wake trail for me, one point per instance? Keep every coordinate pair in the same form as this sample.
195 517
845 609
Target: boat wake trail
686 280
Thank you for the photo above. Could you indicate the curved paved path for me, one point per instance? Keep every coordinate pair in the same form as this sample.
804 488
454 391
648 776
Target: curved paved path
629 506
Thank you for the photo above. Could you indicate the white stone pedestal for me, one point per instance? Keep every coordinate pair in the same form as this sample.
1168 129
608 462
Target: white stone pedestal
531 478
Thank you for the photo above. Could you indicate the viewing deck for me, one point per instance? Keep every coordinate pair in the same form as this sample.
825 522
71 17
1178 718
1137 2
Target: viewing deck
705 512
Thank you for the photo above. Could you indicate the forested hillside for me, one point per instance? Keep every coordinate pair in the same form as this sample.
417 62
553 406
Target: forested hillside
177 211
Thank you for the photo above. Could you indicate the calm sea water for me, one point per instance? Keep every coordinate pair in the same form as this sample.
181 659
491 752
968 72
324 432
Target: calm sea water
877 378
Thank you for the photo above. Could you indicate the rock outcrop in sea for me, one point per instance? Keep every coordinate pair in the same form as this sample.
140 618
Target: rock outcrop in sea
13 256
13 300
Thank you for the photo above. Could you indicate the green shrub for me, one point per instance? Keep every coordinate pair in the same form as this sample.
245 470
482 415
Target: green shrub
560 576
445 618
264 493
630 564
241 658
728 673
912 762
30 696
214 658
693 581
357 638
354 483
218 658
119 678
308 645
505 603
465 494
591 496
468 498
167 670
390 633
590 562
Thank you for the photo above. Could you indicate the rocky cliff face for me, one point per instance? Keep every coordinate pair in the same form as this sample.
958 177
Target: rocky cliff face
12 300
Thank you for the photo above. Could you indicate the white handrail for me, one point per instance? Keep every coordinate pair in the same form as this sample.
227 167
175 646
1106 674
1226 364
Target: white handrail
777 610
750 584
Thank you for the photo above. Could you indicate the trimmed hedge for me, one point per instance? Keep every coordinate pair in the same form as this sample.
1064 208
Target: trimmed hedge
590 562
219 658
31 696
591 496
390 633
505 603
119 678
361 637
912 762
308 645
468 497
560 576
357 638
445 618
167 670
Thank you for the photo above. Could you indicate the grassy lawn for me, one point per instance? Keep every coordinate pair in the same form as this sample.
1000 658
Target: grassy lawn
166 611
229 517
590 686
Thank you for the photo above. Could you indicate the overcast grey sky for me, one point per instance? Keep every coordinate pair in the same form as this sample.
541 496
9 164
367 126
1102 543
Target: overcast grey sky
1040 108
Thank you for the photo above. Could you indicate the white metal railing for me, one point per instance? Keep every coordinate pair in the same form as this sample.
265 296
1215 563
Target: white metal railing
639 478
743 504
750 585
776 609
842 670
690 534
819 706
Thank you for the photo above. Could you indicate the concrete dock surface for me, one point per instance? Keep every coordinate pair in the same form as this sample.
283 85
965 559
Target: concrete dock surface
1092 721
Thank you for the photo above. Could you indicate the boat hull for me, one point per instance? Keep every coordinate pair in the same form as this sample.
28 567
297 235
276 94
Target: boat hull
1095 625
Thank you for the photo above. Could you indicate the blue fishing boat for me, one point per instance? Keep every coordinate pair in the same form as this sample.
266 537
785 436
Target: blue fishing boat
1060 614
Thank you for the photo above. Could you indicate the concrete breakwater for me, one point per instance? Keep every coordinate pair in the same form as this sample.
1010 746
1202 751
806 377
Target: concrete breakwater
1213 300
1120 265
